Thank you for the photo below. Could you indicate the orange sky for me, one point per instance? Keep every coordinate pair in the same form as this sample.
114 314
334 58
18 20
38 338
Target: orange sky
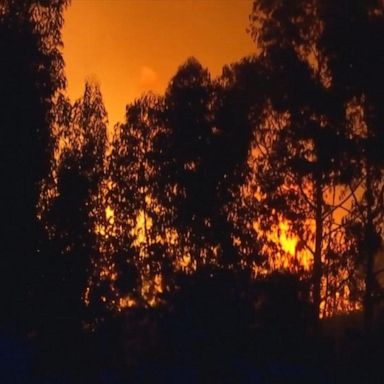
130 46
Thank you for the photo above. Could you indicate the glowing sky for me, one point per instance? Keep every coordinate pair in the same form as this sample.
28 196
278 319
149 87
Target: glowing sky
131 46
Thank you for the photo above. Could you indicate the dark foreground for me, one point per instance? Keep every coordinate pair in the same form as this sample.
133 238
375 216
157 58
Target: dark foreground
210 332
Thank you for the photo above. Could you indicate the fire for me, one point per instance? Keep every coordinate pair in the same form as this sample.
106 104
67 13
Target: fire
143 225
291 251
288 242
282 247
126 302
110 215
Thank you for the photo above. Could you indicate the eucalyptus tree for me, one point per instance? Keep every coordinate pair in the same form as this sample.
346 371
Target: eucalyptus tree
197 164
302 144
239 95
187 117
136 241
69 199
351 43
31 77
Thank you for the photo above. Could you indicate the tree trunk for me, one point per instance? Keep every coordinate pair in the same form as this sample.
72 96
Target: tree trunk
317 263
369 254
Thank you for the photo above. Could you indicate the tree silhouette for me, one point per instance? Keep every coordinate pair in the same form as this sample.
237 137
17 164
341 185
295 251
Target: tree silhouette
31 75
190 120
138 239
304 139
349 64
76 173
240 96
351 43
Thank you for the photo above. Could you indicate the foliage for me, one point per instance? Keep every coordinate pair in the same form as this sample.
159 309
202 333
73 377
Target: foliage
31 76
68 206
274 166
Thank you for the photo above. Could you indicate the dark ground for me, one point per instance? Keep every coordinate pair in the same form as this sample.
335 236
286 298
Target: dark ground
209 333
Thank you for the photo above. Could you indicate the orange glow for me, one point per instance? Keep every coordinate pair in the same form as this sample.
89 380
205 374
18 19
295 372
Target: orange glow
287 241
126 302
137 45
288 254
134 46
131 47
143 224
110 215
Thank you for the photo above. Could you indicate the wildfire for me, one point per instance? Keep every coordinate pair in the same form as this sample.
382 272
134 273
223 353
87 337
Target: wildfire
283 248
110 215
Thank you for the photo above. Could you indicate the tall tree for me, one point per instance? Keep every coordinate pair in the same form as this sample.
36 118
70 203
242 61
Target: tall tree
31 75
355 56
189 118
240 95
138 236
77 171
341 41
307 151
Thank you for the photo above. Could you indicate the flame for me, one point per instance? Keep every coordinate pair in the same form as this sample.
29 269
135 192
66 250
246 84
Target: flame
143 225
287 252
127 302
288 242
110 215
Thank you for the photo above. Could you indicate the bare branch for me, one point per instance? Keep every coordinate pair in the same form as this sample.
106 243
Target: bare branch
342 202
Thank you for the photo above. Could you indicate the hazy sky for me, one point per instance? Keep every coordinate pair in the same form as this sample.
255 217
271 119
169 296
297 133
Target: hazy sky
130 46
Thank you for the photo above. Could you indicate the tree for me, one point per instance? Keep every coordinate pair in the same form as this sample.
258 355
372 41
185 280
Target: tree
190 157
341 41
31 76
351 44
136 252
188 118
302 150
240 95
70 199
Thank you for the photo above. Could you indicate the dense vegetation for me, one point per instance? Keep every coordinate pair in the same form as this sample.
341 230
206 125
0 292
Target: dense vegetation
224 218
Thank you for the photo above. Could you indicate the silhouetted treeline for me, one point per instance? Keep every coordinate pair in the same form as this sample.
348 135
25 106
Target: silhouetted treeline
31 75
230 213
